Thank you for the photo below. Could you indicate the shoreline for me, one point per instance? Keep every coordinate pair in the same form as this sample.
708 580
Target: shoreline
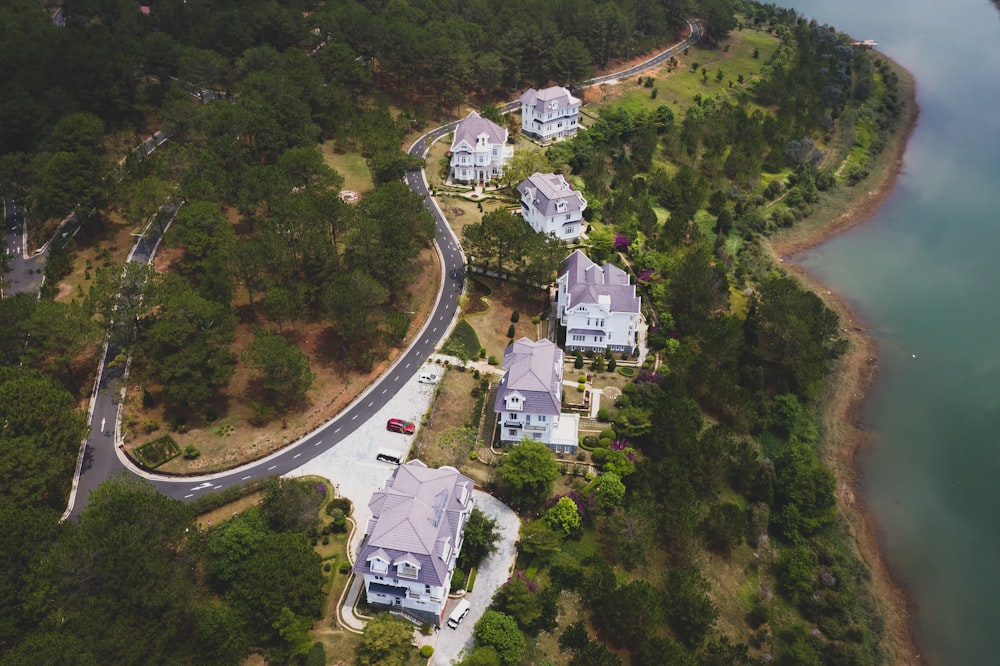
849 384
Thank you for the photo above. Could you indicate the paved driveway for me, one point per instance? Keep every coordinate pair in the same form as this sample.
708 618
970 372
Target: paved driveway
351 464
493 572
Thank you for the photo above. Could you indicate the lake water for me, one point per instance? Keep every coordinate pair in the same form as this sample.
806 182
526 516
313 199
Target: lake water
924 274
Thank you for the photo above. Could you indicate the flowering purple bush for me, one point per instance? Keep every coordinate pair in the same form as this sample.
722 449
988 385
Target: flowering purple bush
585 504
523 577
622 243
321 487
645 275
620 444
647 376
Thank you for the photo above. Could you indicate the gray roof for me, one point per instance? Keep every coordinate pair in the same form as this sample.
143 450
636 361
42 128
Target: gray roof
534 371
541 99
473 126
545 190
413 516
606 285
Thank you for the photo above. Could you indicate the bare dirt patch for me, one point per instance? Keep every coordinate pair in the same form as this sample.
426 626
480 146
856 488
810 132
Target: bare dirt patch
235 436
504 298
442 440
100 245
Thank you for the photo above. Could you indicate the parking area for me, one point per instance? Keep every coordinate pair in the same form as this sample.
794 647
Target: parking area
351 464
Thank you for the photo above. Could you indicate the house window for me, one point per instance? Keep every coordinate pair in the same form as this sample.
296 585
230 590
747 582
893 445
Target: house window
542 418
570 231
464 159
512 432
579 338
597 338
568 215
379 565
527 418
407 570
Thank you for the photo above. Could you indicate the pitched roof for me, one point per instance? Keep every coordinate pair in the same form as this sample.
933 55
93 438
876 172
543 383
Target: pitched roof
548 99
417 512
606 285
545 190
534 370
474 125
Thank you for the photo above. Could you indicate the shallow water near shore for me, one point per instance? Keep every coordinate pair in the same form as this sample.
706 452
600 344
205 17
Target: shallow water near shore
924 274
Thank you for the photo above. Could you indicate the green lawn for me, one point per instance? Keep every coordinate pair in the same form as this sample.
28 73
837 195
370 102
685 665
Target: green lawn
351 166
677 89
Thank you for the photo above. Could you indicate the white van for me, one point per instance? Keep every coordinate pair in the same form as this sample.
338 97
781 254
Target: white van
427 377
457 615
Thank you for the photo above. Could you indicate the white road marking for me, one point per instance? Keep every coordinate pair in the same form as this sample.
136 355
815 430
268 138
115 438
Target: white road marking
245 477
336 431
189 495
384 390
216 487
271 467
296 455
407 365
354 418
371 403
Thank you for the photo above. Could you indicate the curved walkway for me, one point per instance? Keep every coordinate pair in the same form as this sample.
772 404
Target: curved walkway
101 456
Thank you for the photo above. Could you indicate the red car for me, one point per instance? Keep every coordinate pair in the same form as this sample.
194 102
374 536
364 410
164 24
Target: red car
399 425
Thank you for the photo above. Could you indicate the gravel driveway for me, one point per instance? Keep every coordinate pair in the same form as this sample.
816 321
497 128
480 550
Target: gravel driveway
493 572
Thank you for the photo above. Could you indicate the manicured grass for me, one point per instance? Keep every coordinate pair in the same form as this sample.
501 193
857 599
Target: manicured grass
463 342
154 453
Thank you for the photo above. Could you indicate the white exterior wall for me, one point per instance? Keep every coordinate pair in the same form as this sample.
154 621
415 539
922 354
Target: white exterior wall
618 329
417 598
553 224
532 427
480 163
556 124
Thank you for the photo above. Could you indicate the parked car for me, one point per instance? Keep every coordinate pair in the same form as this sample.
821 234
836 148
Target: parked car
399 425
427 378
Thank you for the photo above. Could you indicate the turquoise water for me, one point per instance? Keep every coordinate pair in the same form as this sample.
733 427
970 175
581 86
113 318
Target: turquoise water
924 274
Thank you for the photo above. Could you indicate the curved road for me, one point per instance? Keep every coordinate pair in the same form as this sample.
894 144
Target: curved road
99 458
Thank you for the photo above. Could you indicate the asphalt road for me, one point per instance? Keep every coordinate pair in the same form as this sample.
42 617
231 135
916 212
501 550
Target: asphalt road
100 457
23 274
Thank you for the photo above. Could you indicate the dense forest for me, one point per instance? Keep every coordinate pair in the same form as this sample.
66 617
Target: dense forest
714 455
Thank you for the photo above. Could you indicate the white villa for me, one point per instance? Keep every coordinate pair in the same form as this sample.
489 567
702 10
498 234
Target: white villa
597 305
413 539
551 206
529 400
549 114
479 150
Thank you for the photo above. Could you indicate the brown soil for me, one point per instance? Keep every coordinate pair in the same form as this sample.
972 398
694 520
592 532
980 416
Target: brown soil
492 326
452 408
235 437
849 384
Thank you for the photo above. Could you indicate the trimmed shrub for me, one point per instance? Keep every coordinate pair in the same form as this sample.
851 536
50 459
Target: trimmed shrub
607 433
612 364
599 456
578 362
626 371
510 331
515 317
492 360
345 567
589 442
603 414
426 651
339 503
605 443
